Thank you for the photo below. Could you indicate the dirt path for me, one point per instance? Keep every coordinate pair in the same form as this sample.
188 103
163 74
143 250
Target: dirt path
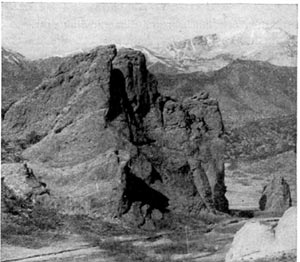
72 249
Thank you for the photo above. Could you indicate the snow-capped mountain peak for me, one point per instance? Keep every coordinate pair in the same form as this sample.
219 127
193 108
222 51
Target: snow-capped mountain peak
212 52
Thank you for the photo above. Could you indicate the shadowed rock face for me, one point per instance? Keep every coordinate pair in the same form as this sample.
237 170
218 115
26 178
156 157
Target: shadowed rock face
107 101
135 89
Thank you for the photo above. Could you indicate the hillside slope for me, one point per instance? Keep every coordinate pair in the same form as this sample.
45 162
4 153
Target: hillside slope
246 90
19 76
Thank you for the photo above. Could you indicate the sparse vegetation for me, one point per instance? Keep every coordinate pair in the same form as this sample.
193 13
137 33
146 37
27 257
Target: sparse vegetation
33 138
261 139
124 251
11 150
31 228
284 258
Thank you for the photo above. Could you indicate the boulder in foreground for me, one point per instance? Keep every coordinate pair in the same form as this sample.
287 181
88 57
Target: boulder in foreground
259 239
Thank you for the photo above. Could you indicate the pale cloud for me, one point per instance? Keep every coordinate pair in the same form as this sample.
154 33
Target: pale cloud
45 29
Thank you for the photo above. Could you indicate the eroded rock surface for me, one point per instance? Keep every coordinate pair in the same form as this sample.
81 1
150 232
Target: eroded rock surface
260 239
276 196
19 188
107 101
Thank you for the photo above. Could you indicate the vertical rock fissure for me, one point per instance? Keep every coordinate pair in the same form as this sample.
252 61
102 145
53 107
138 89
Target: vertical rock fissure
119 103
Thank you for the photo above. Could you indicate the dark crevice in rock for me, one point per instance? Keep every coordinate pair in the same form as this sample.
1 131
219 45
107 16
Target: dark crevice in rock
263 201
61 128
4 110
154 176
117 95
137 190
119 103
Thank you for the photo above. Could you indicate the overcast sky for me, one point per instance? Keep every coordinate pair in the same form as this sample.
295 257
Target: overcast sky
46 29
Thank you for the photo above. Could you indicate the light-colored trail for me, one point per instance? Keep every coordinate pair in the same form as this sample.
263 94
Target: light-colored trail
72 249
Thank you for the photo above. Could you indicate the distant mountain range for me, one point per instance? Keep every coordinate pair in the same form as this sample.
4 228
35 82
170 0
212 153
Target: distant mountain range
252 73
21 75
211 52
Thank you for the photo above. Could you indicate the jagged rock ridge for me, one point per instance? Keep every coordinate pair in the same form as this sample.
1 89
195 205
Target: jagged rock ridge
103 119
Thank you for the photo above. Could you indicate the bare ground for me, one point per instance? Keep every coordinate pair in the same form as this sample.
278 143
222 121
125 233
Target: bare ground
205 240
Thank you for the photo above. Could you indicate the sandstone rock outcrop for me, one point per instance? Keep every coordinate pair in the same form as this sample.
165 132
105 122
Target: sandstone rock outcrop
189 148
286 230
103 105
256 240
276 196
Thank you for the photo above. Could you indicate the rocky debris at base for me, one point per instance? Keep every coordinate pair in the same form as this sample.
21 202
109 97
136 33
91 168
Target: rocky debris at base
276 196
258 239
19 188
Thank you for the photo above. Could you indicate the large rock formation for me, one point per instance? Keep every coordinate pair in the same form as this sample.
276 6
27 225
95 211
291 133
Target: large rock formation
187 147
103 120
